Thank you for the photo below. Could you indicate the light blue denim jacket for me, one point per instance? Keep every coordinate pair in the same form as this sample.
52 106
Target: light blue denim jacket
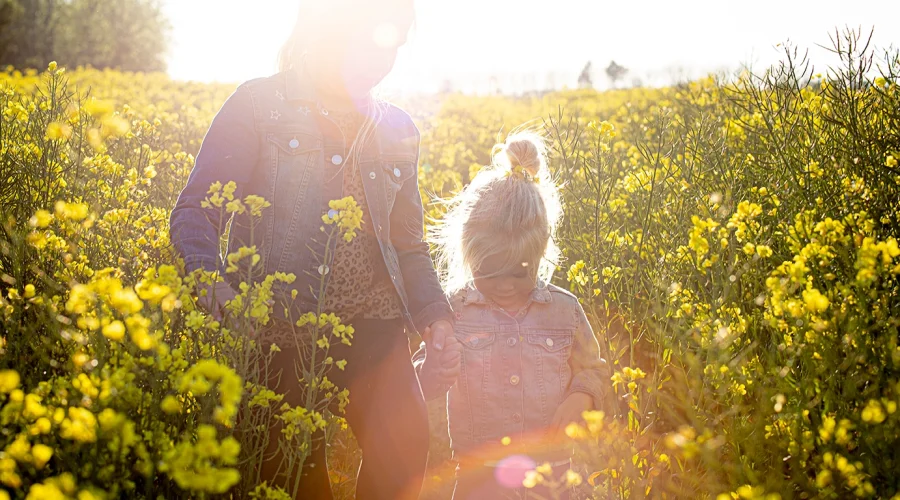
516 371
274 139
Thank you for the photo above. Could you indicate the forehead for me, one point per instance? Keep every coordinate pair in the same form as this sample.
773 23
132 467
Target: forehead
502 263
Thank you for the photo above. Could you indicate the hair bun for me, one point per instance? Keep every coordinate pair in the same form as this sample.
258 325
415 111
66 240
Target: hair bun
526 151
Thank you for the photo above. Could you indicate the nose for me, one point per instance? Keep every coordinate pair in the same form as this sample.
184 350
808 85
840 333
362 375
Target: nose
505 286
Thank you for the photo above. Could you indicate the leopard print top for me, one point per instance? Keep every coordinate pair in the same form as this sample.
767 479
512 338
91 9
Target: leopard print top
353 290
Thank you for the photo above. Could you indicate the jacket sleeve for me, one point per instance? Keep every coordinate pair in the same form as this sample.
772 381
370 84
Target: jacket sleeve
427 302
590 372
228 153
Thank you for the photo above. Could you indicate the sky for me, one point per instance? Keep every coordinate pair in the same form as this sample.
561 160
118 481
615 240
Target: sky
524 44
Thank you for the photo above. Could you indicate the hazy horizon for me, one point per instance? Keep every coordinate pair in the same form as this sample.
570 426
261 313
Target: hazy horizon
530 45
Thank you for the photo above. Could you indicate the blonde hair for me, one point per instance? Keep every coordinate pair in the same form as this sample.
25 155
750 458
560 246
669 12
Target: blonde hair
511 209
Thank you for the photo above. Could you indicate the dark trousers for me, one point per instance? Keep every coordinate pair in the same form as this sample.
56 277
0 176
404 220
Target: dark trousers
386 412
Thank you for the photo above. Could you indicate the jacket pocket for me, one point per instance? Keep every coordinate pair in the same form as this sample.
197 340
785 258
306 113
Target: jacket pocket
396 173
547 357
551 341
475 339
292 163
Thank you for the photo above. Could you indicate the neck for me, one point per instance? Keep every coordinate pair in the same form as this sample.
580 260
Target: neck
336 97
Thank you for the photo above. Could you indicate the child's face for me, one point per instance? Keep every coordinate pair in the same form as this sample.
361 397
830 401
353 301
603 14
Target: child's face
508 288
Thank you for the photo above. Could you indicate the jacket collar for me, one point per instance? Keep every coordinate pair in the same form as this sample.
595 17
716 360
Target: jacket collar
541 294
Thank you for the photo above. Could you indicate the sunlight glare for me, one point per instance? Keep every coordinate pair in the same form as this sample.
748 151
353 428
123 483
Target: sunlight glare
386 35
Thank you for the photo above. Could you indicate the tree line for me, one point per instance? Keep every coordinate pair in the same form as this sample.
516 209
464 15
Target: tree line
130 35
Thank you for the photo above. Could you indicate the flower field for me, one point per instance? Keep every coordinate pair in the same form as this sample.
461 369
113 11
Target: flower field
733 241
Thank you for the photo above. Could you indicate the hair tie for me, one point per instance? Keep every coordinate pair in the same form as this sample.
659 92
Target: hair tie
523 173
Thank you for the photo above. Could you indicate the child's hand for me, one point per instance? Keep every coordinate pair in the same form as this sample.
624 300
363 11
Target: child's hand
441 367
570 411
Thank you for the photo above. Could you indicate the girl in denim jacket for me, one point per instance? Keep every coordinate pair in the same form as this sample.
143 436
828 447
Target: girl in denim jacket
310 134
530 363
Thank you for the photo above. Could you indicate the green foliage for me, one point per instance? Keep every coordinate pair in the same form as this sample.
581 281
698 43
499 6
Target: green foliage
129 35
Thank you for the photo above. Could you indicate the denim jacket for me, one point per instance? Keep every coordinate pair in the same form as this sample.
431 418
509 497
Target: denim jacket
274 139
517 370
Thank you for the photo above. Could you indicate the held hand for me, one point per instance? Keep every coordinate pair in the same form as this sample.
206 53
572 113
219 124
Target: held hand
441 367
450 360
436 334
216 297
570 411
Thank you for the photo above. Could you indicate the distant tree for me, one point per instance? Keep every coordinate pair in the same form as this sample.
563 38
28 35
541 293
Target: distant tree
585 80
615 72
447 86
29 27
130 35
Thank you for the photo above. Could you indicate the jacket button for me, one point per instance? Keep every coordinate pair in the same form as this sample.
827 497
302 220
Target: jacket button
510 341
549 342
514 380
372 175
516 417
336 159
323 269
396 172
294 144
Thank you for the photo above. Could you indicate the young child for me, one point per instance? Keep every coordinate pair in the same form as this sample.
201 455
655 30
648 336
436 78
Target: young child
530 363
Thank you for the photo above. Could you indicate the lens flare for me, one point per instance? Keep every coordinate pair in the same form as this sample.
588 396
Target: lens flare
511 470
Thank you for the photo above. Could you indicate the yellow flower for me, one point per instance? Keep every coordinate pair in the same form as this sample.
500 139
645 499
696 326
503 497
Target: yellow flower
346 214
873 413
41 426
19 449
890 161
40 219
41 454
70 211
79 425
98 108
816 303
9 380
256 204
573 478
532 479
57 130
114 330
45 492
170 405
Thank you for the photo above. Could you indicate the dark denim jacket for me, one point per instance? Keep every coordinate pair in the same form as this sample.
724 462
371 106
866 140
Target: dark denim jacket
274 139
517 370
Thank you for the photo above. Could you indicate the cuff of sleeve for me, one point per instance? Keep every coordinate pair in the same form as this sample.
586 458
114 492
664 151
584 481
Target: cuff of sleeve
431 313
194 262
596 393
